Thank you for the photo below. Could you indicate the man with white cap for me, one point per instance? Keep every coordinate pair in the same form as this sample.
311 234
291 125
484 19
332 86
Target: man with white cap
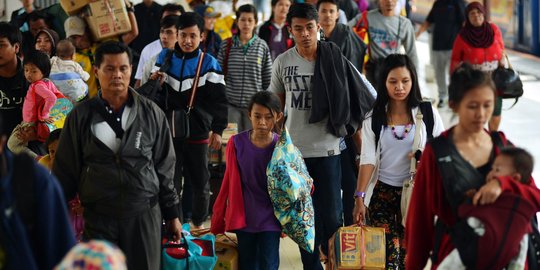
79 34
211 40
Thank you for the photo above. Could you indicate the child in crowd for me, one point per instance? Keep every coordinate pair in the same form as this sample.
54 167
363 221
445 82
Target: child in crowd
40 98
514 163
75 208
50 145
243 205
68 75
247 66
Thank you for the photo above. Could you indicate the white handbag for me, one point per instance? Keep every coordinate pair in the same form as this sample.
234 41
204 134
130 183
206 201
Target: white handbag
408 184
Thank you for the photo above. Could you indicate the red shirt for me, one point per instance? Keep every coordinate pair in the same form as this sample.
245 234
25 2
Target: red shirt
485 59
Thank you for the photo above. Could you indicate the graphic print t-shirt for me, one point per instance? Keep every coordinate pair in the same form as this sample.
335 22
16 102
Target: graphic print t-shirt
292 75
12 93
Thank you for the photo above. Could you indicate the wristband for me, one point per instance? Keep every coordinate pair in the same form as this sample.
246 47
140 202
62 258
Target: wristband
359 194
357 157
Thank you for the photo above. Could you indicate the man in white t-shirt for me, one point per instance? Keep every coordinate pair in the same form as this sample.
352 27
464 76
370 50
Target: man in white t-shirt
151 50
168 38
310 87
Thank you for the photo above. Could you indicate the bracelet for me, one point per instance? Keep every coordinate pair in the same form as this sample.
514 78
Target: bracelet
357 157
359 194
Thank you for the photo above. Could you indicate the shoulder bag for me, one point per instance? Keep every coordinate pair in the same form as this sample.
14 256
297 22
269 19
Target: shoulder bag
152 89
408 184
179 119
507 82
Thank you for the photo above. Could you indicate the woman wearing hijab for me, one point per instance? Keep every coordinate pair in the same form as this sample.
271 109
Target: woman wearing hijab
46 41
480 44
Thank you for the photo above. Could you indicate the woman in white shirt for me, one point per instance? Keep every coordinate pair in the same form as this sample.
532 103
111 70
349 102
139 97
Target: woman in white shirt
385 159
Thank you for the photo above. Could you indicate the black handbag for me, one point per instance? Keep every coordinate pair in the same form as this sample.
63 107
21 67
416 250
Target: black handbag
179 119
507 81
153 90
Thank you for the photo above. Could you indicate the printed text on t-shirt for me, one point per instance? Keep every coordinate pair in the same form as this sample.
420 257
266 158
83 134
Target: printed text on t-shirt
300 87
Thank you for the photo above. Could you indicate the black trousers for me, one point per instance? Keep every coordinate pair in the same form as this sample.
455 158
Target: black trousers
138 237
192 165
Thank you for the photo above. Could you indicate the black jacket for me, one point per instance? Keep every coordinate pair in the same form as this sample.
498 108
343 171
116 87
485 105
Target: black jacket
122 184
352 47
338 92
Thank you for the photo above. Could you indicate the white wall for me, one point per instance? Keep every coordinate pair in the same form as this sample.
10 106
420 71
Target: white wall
11 5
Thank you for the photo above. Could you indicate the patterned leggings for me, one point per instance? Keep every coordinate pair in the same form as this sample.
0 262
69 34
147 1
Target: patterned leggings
385 211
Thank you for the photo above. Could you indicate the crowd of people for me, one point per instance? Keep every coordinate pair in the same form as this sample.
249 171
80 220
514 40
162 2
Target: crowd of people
122 171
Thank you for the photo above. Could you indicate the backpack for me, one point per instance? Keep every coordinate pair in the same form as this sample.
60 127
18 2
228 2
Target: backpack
229 43
425 108
153 90
504 222
17 218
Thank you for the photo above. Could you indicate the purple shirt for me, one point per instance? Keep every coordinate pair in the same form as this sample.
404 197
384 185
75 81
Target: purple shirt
252 162
278 43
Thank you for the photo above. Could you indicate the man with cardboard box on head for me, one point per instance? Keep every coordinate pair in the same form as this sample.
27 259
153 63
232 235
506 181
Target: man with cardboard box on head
78 32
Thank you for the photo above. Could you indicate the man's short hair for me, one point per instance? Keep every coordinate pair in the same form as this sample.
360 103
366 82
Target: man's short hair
302 11
169 21
40 60
11 33
111 47
173 8
39 15
65 49
327 1
522 161
190 19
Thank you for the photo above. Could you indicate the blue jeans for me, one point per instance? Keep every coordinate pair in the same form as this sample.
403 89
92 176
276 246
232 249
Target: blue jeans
326 174
258 250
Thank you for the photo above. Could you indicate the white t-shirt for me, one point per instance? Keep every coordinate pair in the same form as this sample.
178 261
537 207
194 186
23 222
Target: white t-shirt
148 51
292 75
395 164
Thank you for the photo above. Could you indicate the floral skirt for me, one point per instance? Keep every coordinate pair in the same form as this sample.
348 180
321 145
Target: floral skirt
385 211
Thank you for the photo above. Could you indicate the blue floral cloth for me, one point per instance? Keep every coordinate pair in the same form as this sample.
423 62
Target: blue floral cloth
289 186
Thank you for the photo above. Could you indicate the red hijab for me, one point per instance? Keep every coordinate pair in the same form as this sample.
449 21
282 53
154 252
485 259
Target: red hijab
479 37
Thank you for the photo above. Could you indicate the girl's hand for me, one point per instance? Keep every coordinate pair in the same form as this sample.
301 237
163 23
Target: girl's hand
488 193
49 120
359 212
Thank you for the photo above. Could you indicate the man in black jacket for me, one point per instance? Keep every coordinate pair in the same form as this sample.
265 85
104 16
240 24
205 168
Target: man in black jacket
116 151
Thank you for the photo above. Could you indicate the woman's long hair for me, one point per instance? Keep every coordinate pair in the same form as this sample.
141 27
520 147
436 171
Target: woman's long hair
389 63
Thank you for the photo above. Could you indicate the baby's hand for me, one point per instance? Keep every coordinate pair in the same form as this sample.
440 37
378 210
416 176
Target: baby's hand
490 176
49 120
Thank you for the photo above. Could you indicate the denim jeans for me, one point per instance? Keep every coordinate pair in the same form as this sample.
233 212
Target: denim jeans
258 250
326 174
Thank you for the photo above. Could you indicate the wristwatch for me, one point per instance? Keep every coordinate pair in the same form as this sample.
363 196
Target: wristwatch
359 194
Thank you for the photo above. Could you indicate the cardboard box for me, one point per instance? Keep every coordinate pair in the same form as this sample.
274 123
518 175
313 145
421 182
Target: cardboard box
374 248
219 156
72 7
107 18
357 248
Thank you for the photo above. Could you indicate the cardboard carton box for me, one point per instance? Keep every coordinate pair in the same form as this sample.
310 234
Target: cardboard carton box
72 7
357 248
107 18
374 248
219 156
